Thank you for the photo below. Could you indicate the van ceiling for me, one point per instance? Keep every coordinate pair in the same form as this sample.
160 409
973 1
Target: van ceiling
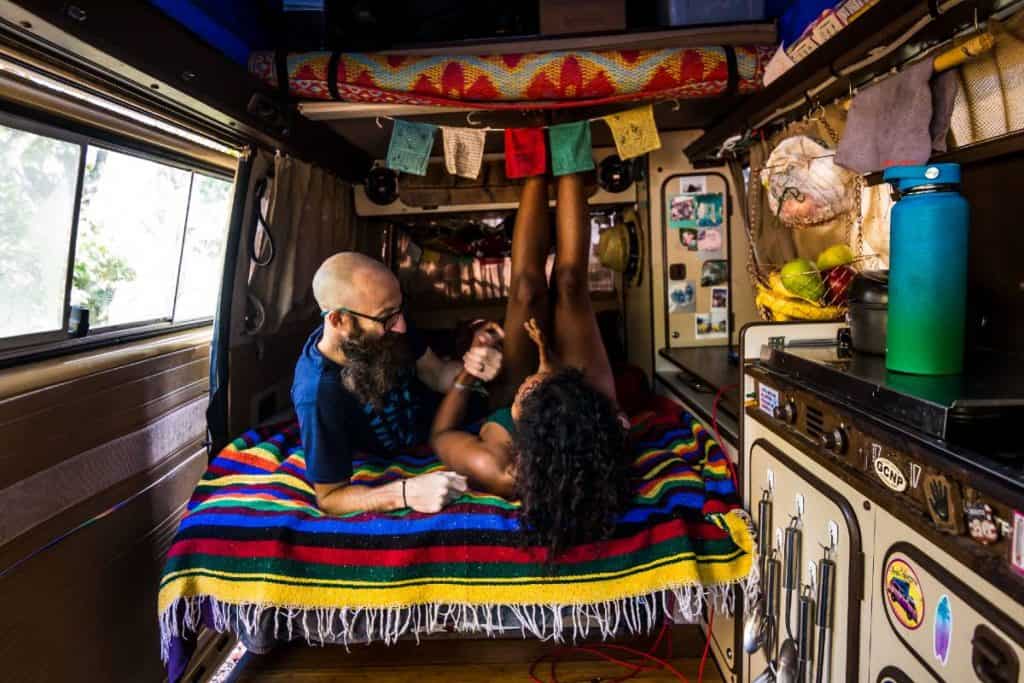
235 26
238 27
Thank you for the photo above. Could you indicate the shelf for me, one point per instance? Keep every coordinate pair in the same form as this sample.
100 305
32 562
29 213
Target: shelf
649 39
993 148
709 366
880 25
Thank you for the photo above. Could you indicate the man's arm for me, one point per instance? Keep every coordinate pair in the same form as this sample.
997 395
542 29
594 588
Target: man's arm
425 493
482 361
436 373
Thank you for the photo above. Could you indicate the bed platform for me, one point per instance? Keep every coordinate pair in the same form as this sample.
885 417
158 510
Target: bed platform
256 558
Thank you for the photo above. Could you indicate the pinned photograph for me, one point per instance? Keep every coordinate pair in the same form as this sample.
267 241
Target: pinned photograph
710 325
682 297
709 240
693 184
682 211
709 210
689 238
719 322
714 273
719 298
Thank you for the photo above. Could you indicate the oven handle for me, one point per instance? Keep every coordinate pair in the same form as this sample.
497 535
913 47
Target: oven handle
993 659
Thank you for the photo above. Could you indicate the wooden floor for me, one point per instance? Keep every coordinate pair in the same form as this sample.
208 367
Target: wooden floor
462 661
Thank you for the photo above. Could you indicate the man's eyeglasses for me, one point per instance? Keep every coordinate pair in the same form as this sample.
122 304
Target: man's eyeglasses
387 321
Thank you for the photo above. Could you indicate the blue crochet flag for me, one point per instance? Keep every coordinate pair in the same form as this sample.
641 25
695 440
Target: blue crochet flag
409 150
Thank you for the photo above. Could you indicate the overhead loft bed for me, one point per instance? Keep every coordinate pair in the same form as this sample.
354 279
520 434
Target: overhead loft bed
701 71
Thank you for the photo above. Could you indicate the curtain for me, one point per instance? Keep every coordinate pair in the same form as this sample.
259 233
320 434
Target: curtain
307 215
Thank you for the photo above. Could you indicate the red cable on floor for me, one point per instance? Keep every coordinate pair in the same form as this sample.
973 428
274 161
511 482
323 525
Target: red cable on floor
634 668
714 413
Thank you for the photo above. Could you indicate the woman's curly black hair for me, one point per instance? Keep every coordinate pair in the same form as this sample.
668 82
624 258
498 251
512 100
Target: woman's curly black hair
572 476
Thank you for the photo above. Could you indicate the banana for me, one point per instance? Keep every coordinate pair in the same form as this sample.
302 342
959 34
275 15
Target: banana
784 306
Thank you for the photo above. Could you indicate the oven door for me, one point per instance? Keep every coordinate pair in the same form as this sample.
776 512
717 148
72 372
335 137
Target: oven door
833 514
934 618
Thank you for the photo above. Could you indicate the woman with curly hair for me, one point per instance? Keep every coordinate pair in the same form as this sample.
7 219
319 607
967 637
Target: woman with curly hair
558 442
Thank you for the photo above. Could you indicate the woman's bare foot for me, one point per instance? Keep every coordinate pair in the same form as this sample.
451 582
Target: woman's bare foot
537 335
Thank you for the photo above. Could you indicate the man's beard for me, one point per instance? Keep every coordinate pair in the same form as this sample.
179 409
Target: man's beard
374 365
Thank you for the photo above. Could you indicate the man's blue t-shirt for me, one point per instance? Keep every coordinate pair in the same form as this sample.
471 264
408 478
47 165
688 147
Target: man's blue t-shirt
335 424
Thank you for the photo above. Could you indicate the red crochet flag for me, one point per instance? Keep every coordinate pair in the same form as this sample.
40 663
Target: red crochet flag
525 152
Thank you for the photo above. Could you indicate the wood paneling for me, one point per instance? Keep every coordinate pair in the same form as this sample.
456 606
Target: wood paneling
85 610
90 415
78 590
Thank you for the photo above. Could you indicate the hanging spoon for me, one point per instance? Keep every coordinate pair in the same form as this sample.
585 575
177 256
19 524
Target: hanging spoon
756 622
787 664
754 627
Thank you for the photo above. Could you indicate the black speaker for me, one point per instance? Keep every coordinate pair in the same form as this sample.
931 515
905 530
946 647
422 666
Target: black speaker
615 175
382 185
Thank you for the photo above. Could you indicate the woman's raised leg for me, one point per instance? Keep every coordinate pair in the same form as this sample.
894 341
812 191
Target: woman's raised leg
577 338
528 292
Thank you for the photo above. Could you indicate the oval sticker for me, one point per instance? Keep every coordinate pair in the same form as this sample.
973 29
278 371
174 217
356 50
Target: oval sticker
890 474
903 594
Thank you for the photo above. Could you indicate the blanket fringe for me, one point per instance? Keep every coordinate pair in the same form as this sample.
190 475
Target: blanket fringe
349 625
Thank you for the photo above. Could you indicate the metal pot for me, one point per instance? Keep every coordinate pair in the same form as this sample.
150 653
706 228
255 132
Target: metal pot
868 311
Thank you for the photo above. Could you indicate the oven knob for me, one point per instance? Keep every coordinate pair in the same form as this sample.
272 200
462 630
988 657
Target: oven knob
835 441
786 412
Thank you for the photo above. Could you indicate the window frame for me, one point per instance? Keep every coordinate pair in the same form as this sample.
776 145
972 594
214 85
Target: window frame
37 345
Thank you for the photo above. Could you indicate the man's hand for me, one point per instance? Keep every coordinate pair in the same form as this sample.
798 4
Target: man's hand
483 360
431 492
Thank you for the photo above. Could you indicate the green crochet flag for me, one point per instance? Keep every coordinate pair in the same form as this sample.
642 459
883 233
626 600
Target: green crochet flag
409 150
571 150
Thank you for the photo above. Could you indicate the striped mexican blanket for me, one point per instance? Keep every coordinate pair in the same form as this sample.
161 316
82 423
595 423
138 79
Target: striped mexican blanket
254 552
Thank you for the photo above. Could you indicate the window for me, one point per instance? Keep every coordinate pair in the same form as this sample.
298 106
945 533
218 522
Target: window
136 241
38 176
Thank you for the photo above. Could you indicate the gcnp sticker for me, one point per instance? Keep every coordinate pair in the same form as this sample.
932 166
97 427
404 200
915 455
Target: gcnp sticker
903 595
942 635
891 475
767 399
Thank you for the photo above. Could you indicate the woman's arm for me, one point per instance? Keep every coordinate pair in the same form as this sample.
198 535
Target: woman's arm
487 464
452 410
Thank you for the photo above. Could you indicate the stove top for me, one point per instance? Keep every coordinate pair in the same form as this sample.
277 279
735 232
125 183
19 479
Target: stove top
981 409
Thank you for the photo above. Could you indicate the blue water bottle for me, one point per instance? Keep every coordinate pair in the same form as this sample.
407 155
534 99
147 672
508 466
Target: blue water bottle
927 270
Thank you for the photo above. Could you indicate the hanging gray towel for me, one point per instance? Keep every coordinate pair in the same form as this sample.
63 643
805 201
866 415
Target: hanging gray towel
944 88
899 121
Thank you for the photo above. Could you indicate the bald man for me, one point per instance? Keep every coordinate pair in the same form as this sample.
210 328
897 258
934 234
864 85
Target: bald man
366 382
